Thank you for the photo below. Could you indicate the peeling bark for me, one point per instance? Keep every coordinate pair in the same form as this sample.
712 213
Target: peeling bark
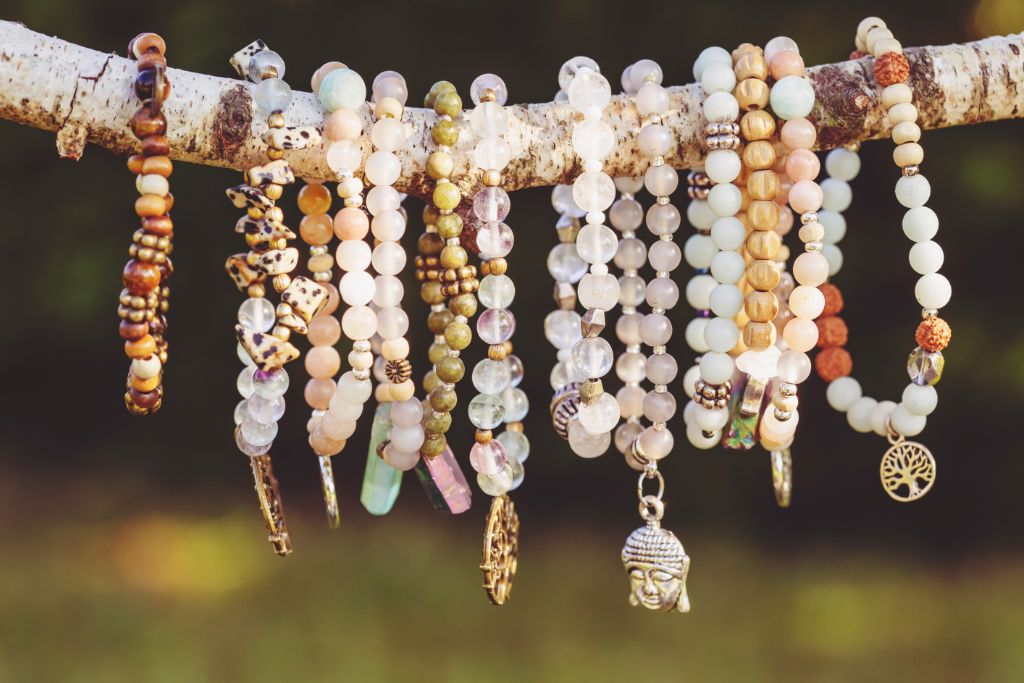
87 96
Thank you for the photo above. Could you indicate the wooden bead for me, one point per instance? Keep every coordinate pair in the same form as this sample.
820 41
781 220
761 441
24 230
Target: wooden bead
144 123
759 155
763 244
750 64
158 165
136 163
757 125
763 275
759 336
761 307
140 278
496 266
140 348
745 49
161 226
146 42
155 145
908 154
130 331
145 385
752 93
762 214
899 113
763 185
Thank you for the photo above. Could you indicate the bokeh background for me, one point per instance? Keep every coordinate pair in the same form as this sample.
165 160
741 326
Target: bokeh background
133 549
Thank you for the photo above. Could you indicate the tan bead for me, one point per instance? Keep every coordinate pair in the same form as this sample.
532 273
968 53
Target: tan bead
150 205
763 244
752 94
906 132
899 113
759 336
762 214
759 155
761 307
496 266
274 154
812 232
322 263
491 177
898 93
751 64
403 391
744 49
908 154
763 185
388 107
160 165
440 165
496 352
873 36
763 275
395 349
757 125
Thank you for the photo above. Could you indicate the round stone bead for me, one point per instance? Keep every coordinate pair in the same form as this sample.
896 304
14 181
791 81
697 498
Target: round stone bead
926 257
700 250
499 483
270 384
834 256
585 444
629 366
698 439
352 390
722 166
383 198
401 460
592 357
517 446
588 89
652 98
933 291
483 83
690 382
920 224
492 153
721 107
778 44
716 367
725 199
725 301
359 322
495 240
251 449
488 458
920 399
517 405
601 416
698 292
592 140
564 263
273 95
488 119
728 267
655 443
344 156
496 291
407 413
631 290
842 164
357 288
392 322
665 256
599 291
655 329
834 224
663 219
593 191
496 325
490 376
265 410
708 56
244 382
661 368
718 77
794 366
382 168
486 411
661 181
913 191
626 215
836 195
662 292
699 214
388 135
806 302
491 204
515 369
388 258
596 243
905 422
879 417
257 314
387 291
659 406
408 438
342 89
654 140
721 334
388 225
562 328
631 253
792 97
859 414
563 202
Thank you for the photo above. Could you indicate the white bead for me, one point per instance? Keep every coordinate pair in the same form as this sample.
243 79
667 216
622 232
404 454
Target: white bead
727 233
596 243
834 256
834 224
589 89
920 400
721 334
652 99
842 164
726 300
382 198
695 334
842 393
387 291
722 165
725 199
699 214
698 292
388 225
688 412
710 419
598 291
697 438
728 267
718 77
859 414
382 168
933 291
146 368
778 44
806 302
716 367
880 415
592 140
906 423
690 380
593 191
913 191
837 195
920 224
709 56
721 107
353 255
699 250
357 288
926 257
388 258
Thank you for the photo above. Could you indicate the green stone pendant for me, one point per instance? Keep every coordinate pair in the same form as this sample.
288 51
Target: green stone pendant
381 482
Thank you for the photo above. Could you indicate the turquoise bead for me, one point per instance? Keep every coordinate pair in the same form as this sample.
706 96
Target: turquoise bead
342 89
381 482
792 98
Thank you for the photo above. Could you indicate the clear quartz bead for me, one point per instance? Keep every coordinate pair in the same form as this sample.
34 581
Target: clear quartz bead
244 383
586 444
517 405
491 376
243 355
263 61
495 240
485 82
599 291
491 204
497 484
925 367
517 446
589 89
593 140
270 383
265 410
273 95
568 70
257 433
257 314
492 153
496 291
486 411
515 369
562 328
488 120
496 325
563 202
593 191
241 411
250 449
596 243
601 416
592 357
565 264
518 473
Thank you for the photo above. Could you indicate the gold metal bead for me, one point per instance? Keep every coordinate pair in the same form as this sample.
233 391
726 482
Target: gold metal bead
276 120
274 153
281 282
496 352
491 177
273 191
281 332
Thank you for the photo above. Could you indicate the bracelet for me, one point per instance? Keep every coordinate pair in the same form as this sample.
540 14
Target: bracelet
263 331
143 301
907 469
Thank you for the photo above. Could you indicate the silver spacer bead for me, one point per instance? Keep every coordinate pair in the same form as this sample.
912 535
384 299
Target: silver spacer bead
911 170
782 415
809 217
812 247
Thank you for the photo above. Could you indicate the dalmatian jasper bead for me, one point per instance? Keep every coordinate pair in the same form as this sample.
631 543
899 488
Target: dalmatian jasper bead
266 350
244 197
278 261
262 232
240 60
241 273
278 172
292 137
305 297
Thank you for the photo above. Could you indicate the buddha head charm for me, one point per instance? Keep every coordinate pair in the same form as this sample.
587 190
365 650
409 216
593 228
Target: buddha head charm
654 559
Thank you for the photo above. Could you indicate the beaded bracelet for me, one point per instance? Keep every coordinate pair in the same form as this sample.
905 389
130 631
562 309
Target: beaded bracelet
654 557
263 331
593 191
143 301
907 470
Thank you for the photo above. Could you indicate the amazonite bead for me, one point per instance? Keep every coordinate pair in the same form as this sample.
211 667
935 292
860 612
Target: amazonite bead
342 89
792 97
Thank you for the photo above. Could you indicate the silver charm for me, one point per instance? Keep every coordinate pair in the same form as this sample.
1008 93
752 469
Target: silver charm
782 476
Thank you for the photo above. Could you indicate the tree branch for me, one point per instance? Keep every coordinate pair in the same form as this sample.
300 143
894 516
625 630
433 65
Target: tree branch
86 96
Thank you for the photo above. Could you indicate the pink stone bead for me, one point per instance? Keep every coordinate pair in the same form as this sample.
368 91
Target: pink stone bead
801 334
323 362
785 223
798 134
323 444
351 223
343 124
785 185
802 164
319 392
805 195
333 299
488 458
324 330
318 75
810 269
786 63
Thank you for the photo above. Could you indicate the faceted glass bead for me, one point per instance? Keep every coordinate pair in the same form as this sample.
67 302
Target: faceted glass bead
265 410
488 458
596 243
498 483
488 120
589 89
490 376
257 314
263 61
273 95
496 291
925 367
491 204
565 264
593 191
485 82
518 473
250 449
241 411
571 66
486 411
257 433
592 357
562 200
244 382
515 369
516 404
586 444
496 325
495 240
517 446
270 383
562 328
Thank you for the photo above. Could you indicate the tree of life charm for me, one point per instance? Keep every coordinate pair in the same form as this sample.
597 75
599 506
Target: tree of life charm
501 549
907 471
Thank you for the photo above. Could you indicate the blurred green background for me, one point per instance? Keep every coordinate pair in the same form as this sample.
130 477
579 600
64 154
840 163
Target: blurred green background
132 549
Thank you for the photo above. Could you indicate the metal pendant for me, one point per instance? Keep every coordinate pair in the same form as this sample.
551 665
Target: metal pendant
330 494
270 504
907 470
782 476
654 559
501 549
